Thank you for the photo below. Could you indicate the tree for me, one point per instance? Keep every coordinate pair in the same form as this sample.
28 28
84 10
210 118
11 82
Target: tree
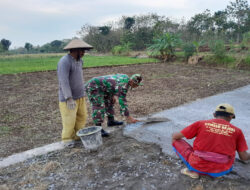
127 32
200 24
164 25
104 30
239 13
128 23
137 31
218 49
142 37
28 46
140 30
45 48
100 42
56 44
1 48
5 44
220 21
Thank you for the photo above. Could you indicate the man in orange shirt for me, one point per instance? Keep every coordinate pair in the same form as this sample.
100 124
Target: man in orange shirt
216 141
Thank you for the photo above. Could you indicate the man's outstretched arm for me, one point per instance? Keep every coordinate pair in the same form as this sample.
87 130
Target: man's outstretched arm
177 136
244 155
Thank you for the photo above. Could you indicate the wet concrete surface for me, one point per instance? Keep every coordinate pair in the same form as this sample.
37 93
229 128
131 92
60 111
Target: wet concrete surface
184 115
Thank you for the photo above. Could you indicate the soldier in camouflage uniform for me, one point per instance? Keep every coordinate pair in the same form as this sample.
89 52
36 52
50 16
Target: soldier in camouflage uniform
101 91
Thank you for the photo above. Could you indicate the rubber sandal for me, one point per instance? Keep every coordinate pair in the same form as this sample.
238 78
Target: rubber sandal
69 144
191 174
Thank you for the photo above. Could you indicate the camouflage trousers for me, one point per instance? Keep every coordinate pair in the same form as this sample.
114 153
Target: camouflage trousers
102 104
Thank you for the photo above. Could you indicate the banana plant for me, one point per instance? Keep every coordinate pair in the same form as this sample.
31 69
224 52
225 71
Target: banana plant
165 46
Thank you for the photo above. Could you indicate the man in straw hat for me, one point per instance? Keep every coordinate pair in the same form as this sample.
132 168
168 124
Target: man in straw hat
216 141
72 102
101 92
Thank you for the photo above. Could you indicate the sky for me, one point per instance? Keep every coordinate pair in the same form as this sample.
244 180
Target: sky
42 21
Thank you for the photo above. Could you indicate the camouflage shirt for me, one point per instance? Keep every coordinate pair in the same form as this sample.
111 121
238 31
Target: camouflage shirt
111 85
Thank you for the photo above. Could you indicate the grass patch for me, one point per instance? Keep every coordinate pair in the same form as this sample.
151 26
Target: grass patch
9 118
47 62
180 54
228 61
247 60
4 130
96 61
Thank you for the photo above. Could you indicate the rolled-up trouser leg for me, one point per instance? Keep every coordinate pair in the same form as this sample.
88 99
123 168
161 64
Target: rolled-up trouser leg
68 121
182 149
81 115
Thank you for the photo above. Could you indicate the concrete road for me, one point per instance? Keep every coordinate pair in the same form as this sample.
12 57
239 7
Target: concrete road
181 116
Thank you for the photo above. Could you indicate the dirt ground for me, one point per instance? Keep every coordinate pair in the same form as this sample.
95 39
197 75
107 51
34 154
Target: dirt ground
29 118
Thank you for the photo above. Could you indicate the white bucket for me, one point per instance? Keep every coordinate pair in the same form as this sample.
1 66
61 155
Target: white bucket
91 137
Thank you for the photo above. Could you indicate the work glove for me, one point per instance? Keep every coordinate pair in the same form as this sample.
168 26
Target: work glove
71 104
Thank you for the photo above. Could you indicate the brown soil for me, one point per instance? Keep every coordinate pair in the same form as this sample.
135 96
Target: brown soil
29 118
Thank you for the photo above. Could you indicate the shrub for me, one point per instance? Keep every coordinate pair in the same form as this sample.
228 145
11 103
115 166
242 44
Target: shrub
197 45
218 49
245 44
117 50
122 49
231 46
189 50
228 61
247 60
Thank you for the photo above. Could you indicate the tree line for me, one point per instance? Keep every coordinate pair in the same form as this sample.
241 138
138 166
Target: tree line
140 31
56 46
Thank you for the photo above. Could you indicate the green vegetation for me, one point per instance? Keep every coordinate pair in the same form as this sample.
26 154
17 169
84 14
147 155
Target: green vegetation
246 41
227 24
231 24
46 62
229 61
218 49
4 130
165 45
124 49
224 34
27 63
189 50
247 60
96 61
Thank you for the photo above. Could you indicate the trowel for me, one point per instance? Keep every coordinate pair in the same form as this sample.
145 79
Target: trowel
151 120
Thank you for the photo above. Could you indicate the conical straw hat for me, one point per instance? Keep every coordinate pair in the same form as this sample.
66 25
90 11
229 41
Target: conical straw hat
77 43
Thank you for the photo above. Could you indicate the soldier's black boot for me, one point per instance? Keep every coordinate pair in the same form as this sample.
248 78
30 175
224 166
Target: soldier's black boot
112 122
104 133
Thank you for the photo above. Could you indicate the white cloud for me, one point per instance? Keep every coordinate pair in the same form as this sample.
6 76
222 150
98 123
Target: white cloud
169 4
